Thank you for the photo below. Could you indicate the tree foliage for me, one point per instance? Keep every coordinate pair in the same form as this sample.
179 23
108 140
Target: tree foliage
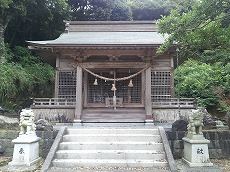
100 10
8 9
43 19
147 9
201 30
24 76
197 26
209 83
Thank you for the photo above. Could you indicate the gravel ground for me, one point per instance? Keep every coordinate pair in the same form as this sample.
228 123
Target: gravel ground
223 164
4 168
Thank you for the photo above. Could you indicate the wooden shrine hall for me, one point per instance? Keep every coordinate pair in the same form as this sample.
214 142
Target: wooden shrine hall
109 71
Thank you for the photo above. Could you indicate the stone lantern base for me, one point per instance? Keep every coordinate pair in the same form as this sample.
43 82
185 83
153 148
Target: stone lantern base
26 150
196 151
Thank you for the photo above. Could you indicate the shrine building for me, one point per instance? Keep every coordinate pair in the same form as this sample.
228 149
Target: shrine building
109 71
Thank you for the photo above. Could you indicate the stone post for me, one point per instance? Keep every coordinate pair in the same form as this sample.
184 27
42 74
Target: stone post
26 145
195 145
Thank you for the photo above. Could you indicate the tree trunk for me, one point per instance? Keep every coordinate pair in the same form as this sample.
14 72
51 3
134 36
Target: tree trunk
228 121
2 43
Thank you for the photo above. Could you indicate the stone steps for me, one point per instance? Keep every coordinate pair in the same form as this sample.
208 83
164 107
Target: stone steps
73 163
110 147
111 137
109 154
117 131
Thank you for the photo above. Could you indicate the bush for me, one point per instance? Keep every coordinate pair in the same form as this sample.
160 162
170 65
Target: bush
209 83
24 76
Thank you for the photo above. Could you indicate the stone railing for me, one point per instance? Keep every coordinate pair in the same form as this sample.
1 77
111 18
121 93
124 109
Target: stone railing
175 103
53 102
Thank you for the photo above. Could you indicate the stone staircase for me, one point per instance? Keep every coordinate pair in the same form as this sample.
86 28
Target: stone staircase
110 149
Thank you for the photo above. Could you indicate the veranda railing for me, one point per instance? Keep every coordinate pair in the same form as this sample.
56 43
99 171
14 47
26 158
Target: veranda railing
160 103
174 103
54 102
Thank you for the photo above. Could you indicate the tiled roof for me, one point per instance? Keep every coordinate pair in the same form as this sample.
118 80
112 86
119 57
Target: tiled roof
105 38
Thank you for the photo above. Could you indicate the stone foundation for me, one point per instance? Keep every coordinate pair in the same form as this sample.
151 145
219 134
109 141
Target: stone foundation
55 115
170 115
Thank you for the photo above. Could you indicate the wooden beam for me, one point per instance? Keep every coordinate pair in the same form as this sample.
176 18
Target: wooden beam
110 51
130 65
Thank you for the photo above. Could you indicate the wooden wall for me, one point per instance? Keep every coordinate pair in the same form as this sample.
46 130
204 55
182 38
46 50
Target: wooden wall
66 62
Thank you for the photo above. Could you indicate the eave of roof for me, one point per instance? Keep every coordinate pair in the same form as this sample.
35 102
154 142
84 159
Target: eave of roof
103 39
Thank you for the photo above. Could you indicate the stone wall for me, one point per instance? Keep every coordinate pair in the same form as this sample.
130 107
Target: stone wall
47 139
219 146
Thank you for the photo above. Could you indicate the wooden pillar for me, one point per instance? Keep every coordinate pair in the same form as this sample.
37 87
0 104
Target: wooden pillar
78 108
57 76
85 88
148 102
172 76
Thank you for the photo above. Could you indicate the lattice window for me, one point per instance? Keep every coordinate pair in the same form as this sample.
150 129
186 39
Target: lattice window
67 85
160 86
98 93
129 94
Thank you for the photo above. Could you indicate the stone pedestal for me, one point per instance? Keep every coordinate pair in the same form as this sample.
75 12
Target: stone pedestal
196 151
26 150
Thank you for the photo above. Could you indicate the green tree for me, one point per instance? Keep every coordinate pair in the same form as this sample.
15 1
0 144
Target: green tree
209 83
100 10
32 20
25 75
8 8
197 26
147 9
22 77
201 30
